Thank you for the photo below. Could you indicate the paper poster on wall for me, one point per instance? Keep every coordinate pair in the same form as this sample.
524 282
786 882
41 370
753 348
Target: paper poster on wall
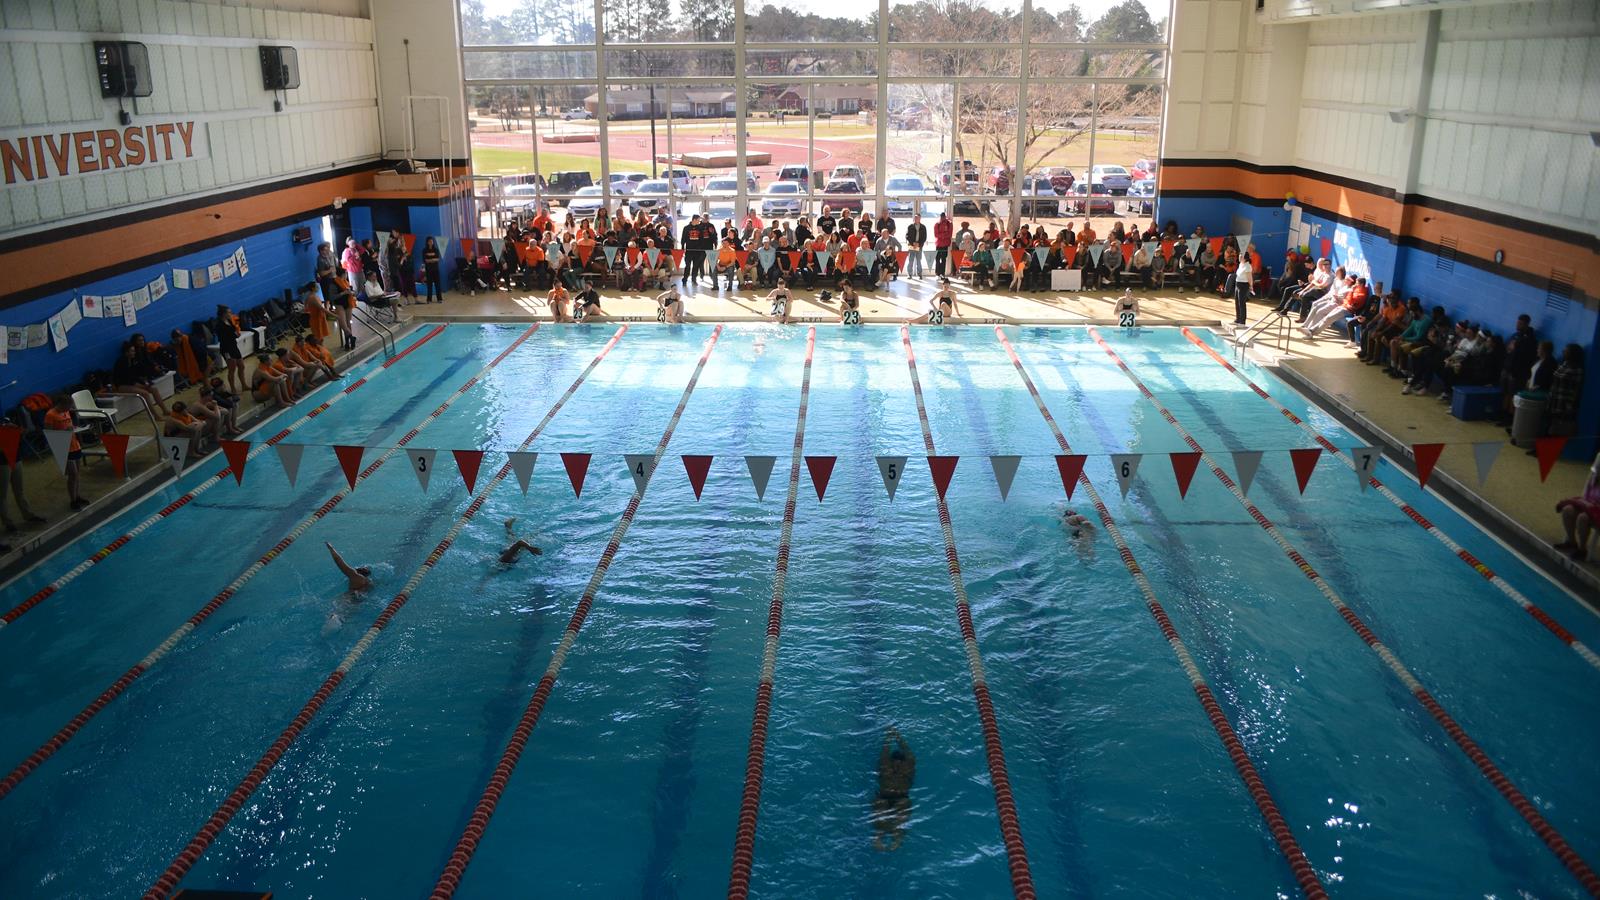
230 267
198 279
71 315
38 335
214 273
16 337
111 307
91 306
58 332
129 317
180 279
158 288
141 297
4 354
244 266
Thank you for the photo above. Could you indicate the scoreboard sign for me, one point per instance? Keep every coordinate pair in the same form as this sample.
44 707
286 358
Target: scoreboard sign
33 157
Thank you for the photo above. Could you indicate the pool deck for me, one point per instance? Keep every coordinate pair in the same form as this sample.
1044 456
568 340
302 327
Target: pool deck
1514 503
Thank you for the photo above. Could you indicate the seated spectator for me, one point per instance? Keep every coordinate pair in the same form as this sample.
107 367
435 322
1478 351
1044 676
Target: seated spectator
1141 266
132 374
1412 340
374 294
1347 299
225 405
1318 284
727 263
1580 515
559 298
1375 331
1423 359
1005 267
1293 277
1331 303
982 265
1457 367
586 305
1207 266
266 384
1111 265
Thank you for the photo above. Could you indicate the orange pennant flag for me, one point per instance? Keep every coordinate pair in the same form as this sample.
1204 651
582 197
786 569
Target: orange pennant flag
410 241
741 256
1127 251
584 252
633 256
1166 247
237 452
957 259
1216 246
697 468
350 462
1183 466
847 260
468 462
117 451
794 259
1071 254
1017 253
469 248
677 257
1426 455
900 257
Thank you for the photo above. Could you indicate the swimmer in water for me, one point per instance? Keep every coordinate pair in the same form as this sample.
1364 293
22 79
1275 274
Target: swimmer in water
360 577
891 809
509 554
1077 524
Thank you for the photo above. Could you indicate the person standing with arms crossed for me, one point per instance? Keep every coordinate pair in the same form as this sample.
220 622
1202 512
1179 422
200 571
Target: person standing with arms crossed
943 231
916 236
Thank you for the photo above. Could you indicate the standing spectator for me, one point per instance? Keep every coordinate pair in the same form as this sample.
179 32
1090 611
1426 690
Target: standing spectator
11 478
59 418
394 252
943 231
1243 277
916 236
1522 347
1566 392
430 271
353 268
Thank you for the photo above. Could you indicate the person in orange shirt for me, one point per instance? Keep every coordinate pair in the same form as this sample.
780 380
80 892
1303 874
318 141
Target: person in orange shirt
297 374
558 303
727 264
182 423
267 385
321 354
310 363
1087 235
59 418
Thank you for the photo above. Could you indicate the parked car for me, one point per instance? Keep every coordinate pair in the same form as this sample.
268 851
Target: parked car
723 186
1114 179
849 173
520 200
625 183
1144 188
782 198
796 173
966 200
1143 168
569 182
651 195
844 194
1039 198
1061 178
903 191
586 204
966 166
1098 204
681 180
998 180
577 112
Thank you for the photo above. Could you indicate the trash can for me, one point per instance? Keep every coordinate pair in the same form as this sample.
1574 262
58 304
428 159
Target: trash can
1528 422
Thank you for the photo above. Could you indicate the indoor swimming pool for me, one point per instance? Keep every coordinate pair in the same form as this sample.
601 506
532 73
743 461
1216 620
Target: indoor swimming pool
198 701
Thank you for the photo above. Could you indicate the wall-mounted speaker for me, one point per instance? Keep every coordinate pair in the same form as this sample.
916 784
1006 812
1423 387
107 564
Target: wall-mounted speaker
124 68
280 68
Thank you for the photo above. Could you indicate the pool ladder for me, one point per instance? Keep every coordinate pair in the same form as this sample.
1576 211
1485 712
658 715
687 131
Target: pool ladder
1278 327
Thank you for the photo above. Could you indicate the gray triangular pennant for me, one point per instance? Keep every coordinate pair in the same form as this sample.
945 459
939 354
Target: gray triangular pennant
1096 250
1041 254
1366 462
1005 471
1485 453
865 257
641 466
760 472
822 259
1245 464
1194 245
60 442
422 464
768 256
1126 466
175 450
289 455
522 464
892 469
611 256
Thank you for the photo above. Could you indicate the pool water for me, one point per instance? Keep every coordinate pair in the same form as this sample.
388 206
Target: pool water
630 784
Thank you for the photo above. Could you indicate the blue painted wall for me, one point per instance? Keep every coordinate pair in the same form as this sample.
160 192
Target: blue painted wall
275 262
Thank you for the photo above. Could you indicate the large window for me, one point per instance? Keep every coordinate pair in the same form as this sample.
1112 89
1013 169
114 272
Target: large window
1026 111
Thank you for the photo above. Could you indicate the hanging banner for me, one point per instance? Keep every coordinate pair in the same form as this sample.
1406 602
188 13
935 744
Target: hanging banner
467 463
58 332
1484 453
180 279
522 466
60 441
1097 250
71 315
1427 456
890 468
1071 469
1005 471
1126 466
289 455
214 273
422 465
349 461
230 267
652 254
677 257
1245 465
943 469
140 298
198 278
158 288
237 454
130 318
822 259
821 468
111 307
175 450
1305 461
1183 467
641 466
577 466
38 335
1194 247
1041 254
93 307
611 256
1366 460
865 257
760 468
697 468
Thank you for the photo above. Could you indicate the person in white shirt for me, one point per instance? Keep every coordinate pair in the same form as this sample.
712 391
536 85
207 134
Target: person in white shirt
1318 284
1332 299
1243 279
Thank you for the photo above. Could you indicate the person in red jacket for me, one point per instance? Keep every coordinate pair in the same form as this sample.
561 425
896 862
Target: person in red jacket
943 230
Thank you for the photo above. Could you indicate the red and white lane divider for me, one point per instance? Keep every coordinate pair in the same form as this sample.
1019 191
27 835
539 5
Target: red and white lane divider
461 856
1005 804
1461 553
121 541
755 759
67 731
198 845
1310 884
1552 838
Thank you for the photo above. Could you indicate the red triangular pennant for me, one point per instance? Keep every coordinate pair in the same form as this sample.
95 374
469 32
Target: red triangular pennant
1071 467
1305 460
1166 248
821 468
956 259
1017 253
1427 455
10 440
1071 254
1216 247
1548 449
943 468
741 257
577 467
237 453
410 241
350 462
584 252
469 248
900 257
1183 466
468 462
677 257
697 467
117 451
1127 252
794 259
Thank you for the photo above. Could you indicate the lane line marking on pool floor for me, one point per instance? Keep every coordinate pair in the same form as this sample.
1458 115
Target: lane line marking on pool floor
67 731
1005 803
1254 784
180 866
1461 553
755 758
121 541
1552 838
467 845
